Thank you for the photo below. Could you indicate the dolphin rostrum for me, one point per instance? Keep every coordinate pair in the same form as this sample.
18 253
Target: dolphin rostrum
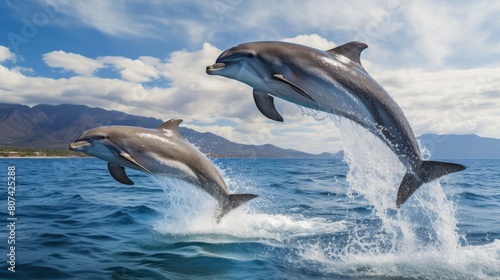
159 151
333 81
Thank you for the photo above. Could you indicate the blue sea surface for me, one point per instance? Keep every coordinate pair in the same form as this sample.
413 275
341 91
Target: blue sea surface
313 219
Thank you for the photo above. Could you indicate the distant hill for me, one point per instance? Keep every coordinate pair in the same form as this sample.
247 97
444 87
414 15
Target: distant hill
54 127
470 146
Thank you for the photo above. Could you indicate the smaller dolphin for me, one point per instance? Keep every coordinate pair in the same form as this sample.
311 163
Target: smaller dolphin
159 151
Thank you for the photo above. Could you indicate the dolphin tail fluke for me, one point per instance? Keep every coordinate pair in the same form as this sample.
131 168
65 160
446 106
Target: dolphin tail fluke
233 202
429 170
411 182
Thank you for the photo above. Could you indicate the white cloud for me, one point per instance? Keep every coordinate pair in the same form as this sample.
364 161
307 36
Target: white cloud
443 33
6 54
22 69
449 101
112 18
302 16
139 70
312 40
72 62
436 29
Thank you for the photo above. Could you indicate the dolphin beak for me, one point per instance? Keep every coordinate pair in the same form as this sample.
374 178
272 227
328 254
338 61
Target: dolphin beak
79 146
211 69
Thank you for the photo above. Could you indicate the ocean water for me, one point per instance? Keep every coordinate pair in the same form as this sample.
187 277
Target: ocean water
314 219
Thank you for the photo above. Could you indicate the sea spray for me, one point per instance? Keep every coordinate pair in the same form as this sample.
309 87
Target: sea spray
189 213
186 206
420 240
425 221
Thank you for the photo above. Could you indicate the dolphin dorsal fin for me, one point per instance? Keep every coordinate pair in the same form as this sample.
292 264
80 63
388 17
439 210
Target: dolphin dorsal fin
351 50
172 124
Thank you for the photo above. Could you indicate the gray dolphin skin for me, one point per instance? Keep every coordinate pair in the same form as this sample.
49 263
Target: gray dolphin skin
162 150
333 81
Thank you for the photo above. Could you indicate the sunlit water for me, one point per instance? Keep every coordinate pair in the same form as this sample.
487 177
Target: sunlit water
313 219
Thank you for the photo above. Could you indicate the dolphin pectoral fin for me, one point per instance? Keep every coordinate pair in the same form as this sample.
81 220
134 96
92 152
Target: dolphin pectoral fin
133 161
429 170
118 173
234 201
351 50
295 87
265 104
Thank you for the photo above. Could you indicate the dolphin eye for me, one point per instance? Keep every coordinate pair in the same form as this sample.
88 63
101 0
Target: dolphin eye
250 55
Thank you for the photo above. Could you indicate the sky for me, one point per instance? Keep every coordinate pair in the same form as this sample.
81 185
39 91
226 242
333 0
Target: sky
439 60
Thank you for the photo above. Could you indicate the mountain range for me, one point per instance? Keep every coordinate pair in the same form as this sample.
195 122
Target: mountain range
468 146
55 126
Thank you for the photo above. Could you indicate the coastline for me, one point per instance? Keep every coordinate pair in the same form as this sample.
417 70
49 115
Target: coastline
28 152
24 152
43 157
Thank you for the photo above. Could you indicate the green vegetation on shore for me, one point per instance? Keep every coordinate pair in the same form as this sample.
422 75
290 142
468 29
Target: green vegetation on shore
34 152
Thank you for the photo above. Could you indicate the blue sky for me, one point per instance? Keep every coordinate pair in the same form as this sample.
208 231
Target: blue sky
440 60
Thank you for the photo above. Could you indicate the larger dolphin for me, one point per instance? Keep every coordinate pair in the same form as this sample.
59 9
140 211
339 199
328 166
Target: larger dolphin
161 151
332 81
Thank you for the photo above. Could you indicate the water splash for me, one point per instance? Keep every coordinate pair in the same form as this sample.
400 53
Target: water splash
419 240
427 219
189 213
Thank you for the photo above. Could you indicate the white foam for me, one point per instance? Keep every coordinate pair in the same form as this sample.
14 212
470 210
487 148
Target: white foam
189 212
375 172
398 248
470 262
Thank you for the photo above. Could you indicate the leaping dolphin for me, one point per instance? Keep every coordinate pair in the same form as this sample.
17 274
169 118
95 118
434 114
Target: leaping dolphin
333 81
160 151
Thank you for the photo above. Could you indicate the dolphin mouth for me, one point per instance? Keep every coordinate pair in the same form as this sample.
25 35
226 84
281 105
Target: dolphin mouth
215 67
79 146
